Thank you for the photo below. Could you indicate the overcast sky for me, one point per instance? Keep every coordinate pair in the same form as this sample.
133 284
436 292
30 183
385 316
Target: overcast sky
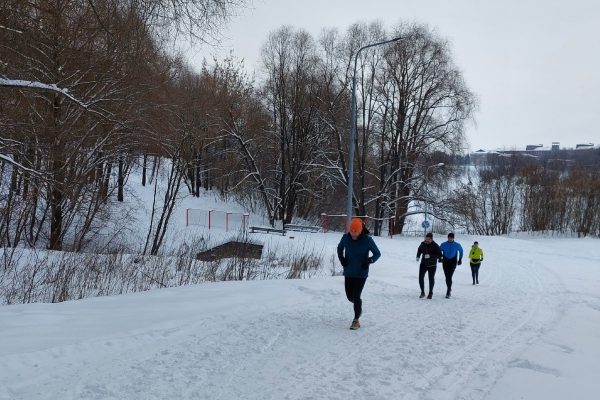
534 65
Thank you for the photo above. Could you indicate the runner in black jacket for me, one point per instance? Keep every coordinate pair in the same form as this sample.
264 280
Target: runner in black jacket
431 253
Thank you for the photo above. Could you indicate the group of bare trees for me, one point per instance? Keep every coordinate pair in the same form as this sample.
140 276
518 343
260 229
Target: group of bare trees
86 90
91 90
412 104
566 201
522 195
487 203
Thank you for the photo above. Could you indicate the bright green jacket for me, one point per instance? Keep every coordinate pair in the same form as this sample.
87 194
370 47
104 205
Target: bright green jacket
476 255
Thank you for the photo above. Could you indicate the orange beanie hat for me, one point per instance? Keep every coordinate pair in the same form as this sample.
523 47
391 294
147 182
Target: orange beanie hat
356 225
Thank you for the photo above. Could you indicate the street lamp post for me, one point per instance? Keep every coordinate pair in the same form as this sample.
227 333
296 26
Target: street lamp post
426 222
353 132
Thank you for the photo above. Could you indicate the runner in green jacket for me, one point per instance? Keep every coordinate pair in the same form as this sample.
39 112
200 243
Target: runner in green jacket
476 257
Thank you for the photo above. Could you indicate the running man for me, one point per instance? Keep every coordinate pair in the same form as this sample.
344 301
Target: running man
452 254
353 253
431 253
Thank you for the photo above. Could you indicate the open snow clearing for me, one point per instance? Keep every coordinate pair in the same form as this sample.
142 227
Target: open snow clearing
289 339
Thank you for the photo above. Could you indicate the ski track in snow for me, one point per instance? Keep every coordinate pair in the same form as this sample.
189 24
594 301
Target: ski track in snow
407 348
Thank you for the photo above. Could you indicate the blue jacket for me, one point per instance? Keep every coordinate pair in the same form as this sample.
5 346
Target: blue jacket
356 254
450 249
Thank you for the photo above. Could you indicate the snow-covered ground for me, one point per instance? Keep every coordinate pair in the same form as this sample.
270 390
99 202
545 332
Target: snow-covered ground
530 330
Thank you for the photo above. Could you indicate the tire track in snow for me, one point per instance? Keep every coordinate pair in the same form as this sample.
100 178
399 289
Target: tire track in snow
449 376
500 346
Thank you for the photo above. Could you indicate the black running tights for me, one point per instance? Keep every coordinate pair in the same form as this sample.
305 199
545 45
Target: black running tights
354 288
431 272
475 272
449 268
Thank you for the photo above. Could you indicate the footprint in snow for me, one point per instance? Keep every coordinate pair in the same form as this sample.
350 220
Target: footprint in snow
526 364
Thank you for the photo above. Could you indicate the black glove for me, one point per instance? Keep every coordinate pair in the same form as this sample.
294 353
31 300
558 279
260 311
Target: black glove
481 259
459 262
344 261
367 262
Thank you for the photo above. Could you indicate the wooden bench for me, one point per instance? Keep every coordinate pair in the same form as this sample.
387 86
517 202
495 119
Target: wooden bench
267 229
301 228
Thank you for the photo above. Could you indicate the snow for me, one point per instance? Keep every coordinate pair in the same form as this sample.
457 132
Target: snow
528 331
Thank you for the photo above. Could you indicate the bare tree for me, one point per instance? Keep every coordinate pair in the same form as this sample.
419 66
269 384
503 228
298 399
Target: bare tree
430 103
198 19
488 203
290 59
412 104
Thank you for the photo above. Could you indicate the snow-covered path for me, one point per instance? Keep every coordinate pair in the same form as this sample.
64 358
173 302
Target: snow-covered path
530 317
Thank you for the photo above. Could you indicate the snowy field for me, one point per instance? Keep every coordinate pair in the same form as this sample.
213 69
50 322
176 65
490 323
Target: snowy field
530 330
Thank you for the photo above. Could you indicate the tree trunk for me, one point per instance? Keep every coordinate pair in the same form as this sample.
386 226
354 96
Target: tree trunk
120 180
198 172
401 209
155 163
144 166
56 220
104 184
14 177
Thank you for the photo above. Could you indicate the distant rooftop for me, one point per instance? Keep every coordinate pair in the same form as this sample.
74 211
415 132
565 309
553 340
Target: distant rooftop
530 147
540 147
584 146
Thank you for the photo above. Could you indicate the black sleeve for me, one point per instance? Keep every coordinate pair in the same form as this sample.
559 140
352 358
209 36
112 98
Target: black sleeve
420 250
438 250
340 249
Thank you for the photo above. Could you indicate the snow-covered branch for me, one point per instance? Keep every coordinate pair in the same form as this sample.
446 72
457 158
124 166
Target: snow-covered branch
18 165
24 84
11 29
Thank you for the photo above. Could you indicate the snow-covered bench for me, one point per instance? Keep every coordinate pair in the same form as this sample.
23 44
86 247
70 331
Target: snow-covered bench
267 229
301 228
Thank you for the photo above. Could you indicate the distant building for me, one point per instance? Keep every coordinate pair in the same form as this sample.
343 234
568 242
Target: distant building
531 147
553 156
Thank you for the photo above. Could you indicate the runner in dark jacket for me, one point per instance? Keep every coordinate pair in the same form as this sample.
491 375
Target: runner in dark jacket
431 253
353 253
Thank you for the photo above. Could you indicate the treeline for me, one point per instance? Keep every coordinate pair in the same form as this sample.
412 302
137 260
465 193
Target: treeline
520 194
89 90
